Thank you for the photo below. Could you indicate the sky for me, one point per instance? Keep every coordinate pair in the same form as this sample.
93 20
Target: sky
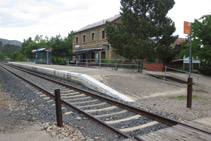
21 19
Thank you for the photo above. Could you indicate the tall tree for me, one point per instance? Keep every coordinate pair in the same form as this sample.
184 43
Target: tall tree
202 38
202 42
145 28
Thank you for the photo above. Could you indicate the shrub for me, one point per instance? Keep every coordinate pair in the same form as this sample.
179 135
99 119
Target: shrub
205 69
59 61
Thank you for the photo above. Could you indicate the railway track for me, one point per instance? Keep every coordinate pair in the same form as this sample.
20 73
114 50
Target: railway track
126 120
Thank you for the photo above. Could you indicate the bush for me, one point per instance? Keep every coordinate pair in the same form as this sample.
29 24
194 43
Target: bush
205 69
2 56
59 61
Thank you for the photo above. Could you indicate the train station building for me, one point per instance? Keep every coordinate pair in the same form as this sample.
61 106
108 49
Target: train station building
90 43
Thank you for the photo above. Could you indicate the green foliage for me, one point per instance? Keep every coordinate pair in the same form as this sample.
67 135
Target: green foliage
144 28
59 61
2 56
181 50
8 49
202 38
16 56
205 69
62 48
202 42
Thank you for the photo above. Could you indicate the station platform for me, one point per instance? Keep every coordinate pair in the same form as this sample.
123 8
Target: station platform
128 86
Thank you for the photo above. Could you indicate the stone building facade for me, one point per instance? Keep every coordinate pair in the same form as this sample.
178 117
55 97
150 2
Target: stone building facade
90 43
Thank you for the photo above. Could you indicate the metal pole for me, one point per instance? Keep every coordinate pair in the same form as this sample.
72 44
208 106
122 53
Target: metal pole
36 57
190 80
190 55
189 96
58 108
47 57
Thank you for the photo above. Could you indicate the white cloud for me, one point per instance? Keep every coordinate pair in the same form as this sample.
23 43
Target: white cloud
188 10
20 19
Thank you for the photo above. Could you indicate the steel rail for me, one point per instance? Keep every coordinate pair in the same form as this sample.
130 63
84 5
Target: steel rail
156 117
72 106
113 102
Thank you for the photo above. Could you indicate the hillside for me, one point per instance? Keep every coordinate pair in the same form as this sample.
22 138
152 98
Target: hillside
12 42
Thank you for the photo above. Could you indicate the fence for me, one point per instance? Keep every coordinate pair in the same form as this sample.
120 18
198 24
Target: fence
170 73
115 64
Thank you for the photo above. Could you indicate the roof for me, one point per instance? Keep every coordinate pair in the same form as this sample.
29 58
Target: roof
102 22
81 51
179 41
41 49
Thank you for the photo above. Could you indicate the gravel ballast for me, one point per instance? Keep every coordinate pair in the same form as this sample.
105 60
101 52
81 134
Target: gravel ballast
168 106
34 108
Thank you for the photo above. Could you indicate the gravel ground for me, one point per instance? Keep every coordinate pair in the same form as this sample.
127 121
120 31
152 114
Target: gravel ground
170 106
160 97
175 106
32 108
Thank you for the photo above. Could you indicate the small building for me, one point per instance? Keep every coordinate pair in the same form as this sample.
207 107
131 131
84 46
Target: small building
42 55
90 43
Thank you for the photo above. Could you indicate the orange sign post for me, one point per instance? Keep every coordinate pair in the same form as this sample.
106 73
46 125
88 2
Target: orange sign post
188 30
187 27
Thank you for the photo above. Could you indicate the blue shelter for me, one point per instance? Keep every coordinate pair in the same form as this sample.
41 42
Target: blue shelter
42 55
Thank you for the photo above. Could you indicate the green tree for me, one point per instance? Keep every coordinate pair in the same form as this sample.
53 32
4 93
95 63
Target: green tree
61 48
201 43
145 28
2 56
8 49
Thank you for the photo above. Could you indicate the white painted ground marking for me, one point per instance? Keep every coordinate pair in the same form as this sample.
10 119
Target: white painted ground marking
124 119
181 91
80 95
67 113
92 105
103 109
82 102
111 114
138 127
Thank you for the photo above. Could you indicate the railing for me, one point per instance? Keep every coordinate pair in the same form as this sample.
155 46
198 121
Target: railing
174 73
115 64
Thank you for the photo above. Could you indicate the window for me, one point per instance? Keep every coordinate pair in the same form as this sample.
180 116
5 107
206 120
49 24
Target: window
76 40
103 34
93 36
84 38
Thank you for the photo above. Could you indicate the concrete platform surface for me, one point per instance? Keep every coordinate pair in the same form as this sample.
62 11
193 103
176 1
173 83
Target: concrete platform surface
132 84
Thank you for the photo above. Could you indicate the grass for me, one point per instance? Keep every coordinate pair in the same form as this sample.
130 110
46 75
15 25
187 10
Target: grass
182 97
30 119
202 91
